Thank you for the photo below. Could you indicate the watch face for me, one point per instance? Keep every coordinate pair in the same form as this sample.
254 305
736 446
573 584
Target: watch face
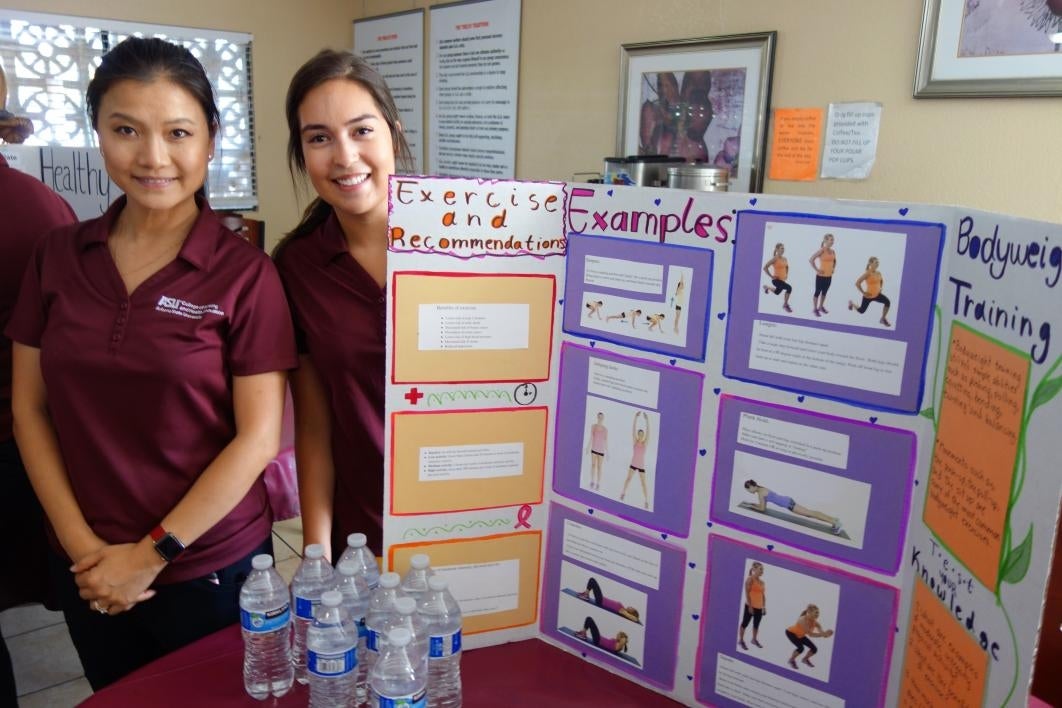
169 547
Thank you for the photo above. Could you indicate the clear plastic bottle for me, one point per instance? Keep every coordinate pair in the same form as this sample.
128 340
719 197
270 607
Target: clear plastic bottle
331 654
395 680
406 616
355 593
265 615
442 615
312 578
416 581
359 552
378 616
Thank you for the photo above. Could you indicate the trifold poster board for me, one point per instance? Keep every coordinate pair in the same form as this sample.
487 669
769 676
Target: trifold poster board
621 420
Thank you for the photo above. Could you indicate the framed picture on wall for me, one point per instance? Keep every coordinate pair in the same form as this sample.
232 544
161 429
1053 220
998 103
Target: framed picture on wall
706 100
976 48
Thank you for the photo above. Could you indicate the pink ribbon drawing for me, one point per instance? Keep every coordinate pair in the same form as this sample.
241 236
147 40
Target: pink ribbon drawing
522 516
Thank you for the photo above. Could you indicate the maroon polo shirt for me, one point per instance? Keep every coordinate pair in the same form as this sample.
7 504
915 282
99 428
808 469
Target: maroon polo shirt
140 387
339 313
28 210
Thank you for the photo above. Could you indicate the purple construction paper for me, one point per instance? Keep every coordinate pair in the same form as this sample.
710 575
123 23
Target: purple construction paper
878 455
918 285
697 301
663 604
865 622
679 405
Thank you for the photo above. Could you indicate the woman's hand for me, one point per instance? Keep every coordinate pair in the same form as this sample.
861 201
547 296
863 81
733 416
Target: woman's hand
117 577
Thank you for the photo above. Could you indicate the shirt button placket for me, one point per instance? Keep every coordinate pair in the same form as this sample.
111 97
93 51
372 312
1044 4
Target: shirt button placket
119 325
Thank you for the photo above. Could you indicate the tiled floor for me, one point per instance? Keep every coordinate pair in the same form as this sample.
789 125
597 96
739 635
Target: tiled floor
47 671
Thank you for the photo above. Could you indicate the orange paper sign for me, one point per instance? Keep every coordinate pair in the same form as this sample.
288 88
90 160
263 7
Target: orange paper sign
976 449
943 665
797 144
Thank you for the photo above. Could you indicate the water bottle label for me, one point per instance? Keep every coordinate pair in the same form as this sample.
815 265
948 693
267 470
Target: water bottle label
331 664
417 700
268 621
363 630
443 645
372 639
304 607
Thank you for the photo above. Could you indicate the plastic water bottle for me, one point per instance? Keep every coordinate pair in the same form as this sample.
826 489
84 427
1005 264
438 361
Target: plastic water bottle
442 616
395 680
312 578
265 615
416 581
331 654
378 616
359 552
407 617
356 603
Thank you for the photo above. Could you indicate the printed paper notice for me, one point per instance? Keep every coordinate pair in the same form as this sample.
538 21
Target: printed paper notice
484 588
864 363
943 664
624 275
976 449
471 461
610 379
797 144
851 140
753 686
638 564
794 440
476 326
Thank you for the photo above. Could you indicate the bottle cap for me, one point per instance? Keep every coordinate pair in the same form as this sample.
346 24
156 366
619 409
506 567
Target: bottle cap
314 551
420 561
399 636
437 583
262 561
357 540
347 567
405 605
331 598
390 580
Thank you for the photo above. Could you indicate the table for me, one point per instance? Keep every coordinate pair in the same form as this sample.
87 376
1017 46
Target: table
208 674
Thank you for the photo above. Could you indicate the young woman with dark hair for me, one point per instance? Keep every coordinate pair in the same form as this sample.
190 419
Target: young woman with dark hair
151 346
345 138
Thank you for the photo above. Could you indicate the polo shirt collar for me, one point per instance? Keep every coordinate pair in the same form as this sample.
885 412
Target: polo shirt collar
198 248
331 241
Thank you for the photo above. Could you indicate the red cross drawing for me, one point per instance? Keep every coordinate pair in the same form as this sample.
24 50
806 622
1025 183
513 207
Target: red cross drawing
414 395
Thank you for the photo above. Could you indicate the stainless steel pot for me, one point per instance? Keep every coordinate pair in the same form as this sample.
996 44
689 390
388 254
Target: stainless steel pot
704 178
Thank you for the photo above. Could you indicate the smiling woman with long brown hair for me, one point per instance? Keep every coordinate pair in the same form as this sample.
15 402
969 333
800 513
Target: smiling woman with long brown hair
345 138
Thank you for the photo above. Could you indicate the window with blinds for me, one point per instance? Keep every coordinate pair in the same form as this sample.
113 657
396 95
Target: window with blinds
50 59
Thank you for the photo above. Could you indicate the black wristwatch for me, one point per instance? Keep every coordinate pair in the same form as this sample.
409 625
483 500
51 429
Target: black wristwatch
166 544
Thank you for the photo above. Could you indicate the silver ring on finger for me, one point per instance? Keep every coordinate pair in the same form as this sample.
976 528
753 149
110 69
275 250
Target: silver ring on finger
98 607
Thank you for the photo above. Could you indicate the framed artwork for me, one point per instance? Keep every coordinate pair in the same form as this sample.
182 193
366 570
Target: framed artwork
705 100
976 48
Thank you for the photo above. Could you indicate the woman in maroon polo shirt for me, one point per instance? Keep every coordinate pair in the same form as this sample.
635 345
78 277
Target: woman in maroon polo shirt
344 135
150 353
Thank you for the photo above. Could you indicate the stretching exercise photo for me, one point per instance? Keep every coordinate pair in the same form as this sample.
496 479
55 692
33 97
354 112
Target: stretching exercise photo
806 626
765 496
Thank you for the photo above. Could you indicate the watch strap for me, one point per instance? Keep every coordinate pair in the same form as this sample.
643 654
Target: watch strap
168 546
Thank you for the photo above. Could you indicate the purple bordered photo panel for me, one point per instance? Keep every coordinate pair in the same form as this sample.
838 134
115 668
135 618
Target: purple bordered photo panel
660 616
917 245
880 467
689 343
669 473
855 659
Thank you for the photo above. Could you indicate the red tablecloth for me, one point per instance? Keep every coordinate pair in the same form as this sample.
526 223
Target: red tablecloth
208 674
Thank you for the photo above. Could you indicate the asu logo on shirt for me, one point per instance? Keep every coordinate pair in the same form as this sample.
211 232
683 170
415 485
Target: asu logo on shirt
183 308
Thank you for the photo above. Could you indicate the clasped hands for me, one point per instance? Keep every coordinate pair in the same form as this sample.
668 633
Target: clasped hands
114 578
